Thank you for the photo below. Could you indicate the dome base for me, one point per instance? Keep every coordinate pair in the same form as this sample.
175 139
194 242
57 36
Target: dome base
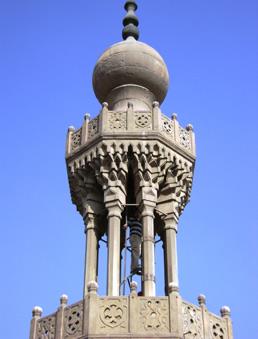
139 96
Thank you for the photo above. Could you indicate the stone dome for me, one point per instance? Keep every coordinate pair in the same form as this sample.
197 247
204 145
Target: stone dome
130 70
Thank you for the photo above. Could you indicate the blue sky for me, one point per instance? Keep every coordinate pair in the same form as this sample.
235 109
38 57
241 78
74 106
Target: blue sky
48 51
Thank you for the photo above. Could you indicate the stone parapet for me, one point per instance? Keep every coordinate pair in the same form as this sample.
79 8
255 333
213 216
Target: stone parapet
132 317
131 124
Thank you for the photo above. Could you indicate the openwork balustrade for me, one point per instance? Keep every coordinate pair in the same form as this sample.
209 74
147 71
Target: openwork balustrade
131 316
130 123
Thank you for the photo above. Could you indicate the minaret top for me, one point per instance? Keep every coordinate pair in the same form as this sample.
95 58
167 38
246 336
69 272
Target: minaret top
130 71
130 21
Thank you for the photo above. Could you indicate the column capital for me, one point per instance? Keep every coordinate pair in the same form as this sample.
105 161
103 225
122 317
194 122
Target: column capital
114 209
148 194
147 209
170 222
90 221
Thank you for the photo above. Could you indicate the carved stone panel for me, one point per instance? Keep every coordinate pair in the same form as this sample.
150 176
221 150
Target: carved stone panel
93 128
192 322
73 320
154 315
184 138
113 315
76 139
217 328
46 328
143 120
167 126
117 121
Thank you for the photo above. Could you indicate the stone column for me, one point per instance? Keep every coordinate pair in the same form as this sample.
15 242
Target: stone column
147 216
91 252
114 230
171 268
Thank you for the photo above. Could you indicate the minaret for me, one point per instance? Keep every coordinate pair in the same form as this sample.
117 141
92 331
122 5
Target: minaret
130 172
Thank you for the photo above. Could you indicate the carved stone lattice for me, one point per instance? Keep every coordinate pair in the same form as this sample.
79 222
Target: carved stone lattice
117 121
167 126
217 330
73 320
113 313
192 322
46 328
142 120
93 128
154 315
184 138
76 139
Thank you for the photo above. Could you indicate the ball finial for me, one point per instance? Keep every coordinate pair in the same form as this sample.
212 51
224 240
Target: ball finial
202 299
37 311
225 311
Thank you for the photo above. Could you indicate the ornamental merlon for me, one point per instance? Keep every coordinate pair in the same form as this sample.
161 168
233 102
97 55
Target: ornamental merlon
132 124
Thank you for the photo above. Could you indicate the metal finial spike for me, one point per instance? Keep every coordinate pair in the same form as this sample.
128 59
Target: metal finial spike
130 21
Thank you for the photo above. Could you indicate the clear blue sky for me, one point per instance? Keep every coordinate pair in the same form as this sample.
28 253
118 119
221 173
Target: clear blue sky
48 51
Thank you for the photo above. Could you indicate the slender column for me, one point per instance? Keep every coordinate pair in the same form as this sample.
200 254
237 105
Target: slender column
171 252
114 230
91 252
149 285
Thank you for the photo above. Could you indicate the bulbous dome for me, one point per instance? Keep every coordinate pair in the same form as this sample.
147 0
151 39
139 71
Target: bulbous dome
133 67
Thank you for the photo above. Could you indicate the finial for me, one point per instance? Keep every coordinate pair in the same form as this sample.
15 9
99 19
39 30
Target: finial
63 299
130 21
202 299
225 311
92 287
37 311
133 288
